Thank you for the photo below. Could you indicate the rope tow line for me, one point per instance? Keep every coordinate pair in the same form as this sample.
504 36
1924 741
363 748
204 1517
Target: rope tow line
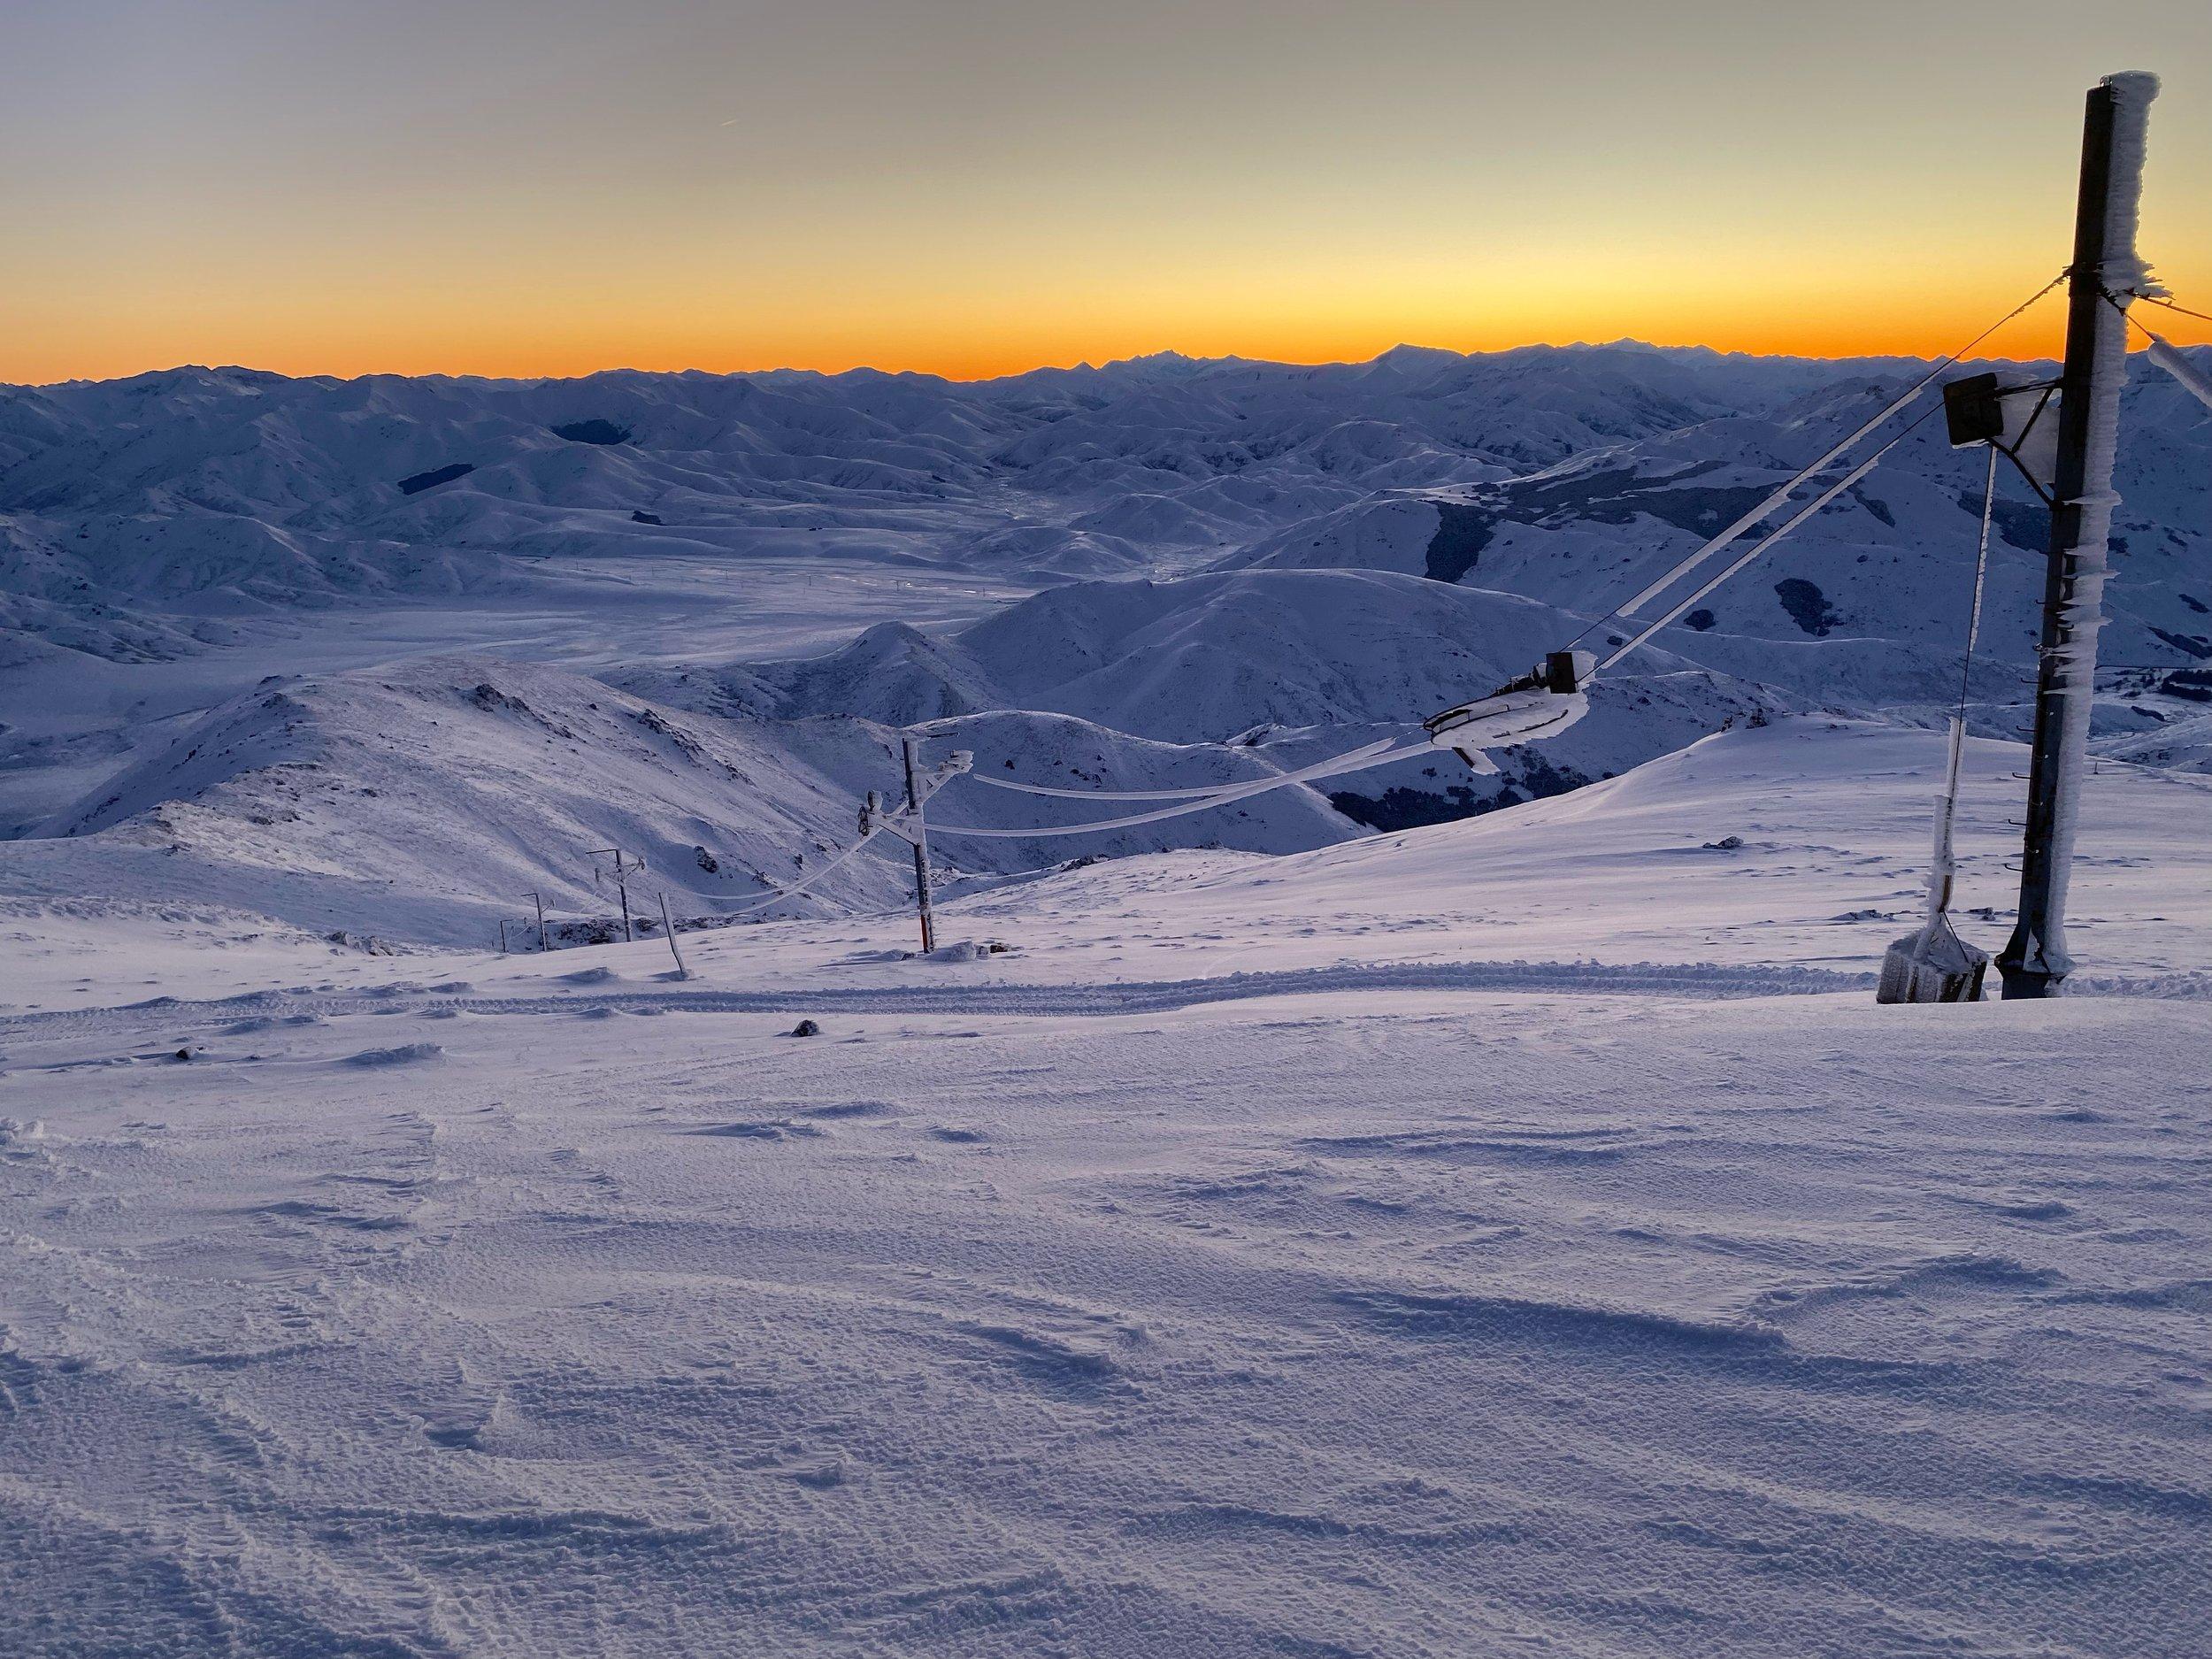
2157 299
1109 795
1933 963
1943 871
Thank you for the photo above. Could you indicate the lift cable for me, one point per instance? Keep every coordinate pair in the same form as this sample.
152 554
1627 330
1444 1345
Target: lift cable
1379 754
820 875
2162 352
1382 753
1765 541
1652 590
2157 299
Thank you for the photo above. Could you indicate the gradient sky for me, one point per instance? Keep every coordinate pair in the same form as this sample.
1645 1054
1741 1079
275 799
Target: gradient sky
972 187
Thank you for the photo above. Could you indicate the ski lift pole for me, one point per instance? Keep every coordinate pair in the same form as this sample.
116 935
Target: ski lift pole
2035 960
622 873
538 899
920 842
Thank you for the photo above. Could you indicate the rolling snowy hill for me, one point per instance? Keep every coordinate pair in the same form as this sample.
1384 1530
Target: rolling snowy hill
423 801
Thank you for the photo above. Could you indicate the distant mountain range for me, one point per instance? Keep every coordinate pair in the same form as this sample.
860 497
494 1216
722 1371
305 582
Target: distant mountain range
1231 566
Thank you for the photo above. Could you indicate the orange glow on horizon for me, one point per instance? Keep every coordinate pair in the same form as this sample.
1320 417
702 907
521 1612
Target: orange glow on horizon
974 190
511 348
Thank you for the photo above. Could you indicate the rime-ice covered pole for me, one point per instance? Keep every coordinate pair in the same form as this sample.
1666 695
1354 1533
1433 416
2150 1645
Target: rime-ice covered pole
2105 264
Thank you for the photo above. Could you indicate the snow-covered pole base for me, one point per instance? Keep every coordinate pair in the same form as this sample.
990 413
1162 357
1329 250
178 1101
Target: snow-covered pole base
2114 132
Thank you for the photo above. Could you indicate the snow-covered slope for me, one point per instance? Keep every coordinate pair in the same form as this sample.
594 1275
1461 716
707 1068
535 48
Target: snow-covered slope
423 801
1516 1236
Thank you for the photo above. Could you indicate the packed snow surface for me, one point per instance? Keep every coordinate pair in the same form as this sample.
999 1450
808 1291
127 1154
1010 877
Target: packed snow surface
1521 1235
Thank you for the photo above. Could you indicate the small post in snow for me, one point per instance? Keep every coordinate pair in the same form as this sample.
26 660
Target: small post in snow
2105 271
538 899
920 841
503 935
669 928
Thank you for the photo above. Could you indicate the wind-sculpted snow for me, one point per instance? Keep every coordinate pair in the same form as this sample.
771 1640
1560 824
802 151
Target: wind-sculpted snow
1411 1319
1525 1230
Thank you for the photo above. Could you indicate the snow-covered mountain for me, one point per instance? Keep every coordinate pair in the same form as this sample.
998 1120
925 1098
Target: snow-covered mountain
133 513
1156 573
1881 579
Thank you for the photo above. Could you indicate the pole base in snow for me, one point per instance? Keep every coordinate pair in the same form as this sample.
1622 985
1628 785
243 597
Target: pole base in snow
1933 965
2021 986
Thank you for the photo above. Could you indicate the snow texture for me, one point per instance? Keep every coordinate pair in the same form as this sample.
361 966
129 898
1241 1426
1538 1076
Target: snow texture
1349 1287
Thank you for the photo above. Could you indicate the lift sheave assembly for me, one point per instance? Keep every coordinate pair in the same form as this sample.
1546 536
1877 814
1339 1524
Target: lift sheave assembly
1541 704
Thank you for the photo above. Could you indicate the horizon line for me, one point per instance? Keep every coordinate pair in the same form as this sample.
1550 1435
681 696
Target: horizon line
1165 354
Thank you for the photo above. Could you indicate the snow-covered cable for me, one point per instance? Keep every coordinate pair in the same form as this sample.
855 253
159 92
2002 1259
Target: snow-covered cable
1757 547
1359 760
1319 769
1774 499
1098 795
1213 791
793 892
2162 351
1943 871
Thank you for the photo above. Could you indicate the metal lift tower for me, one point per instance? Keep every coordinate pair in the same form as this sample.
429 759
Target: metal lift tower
2104 272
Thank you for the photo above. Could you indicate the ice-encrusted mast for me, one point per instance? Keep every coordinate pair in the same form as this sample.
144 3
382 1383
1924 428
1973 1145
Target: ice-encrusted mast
2106 269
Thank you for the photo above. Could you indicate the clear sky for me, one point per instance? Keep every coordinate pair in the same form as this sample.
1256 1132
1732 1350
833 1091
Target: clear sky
971 187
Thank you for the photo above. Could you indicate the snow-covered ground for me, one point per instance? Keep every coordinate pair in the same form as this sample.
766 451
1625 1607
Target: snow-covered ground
1519 1235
